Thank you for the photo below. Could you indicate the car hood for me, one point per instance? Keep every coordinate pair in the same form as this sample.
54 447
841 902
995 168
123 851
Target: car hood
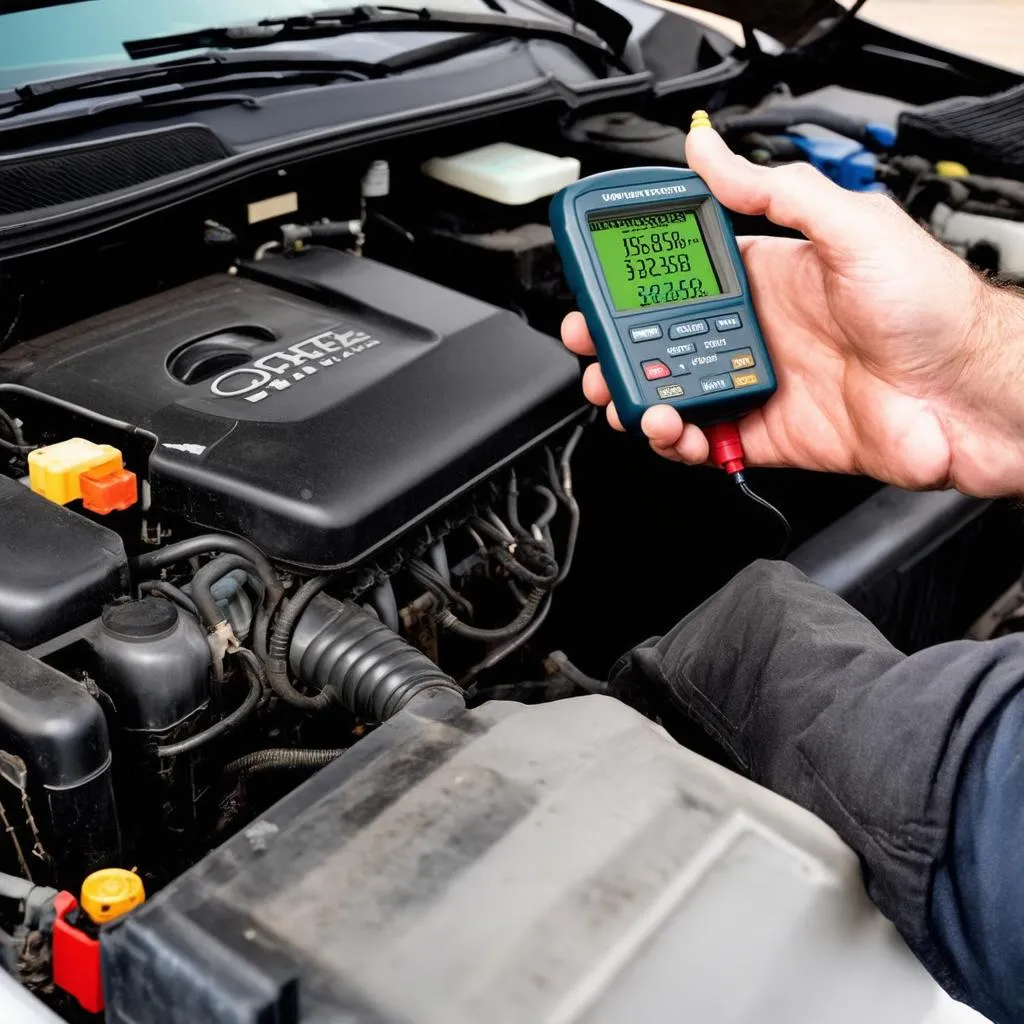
785 20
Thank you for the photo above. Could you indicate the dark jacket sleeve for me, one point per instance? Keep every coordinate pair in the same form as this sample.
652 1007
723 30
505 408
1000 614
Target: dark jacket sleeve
809 699
978 896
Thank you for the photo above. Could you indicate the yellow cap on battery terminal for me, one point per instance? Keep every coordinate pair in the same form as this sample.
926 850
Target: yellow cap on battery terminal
55 471
111 893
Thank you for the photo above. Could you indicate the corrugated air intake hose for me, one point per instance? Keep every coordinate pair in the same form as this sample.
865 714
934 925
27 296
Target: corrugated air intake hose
340 649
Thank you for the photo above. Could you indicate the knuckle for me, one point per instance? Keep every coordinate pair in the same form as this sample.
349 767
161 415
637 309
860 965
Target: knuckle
801 175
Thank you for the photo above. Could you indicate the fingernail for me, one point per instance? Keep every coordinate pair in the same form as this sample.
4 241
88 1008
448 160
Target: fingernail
700 119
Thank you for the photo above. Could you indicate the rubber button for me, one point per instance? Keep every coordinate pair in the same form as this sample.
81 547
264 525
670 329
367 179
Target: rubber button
685 330
682 350
709 385
742 360
655 370
646 333
745 380
728 323
671 391
711 344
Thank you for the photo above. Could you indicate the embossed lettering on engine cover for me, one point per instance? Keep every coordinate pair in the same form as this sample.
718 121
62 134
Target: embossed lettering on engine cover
281 370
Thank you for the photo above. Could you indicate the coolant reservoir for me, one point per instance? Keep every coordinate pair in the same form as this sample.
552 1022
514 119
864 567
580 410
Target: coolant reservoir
504 172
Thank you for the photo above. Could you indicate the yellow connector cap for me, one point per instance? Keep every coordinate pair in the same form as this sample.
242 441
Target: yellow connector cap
55 471
700 119
111 893
951 169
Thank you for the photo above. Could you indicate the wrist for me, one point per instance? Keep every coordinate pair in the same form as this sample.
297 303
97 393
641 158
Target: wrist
985 411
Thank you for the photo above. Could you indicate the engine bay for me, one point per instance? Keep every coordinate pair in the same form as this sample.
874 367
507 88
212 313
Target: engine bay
328 463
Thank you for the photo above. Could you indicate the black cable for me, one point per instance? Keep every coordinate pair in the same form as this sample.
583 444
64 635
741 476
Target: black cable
502 652
16 445
574 439
17 438
254 673
558 485
512 506
16 449
447 620
532 562
538 603
427 576
280 646
534 565
281 757
576 675
551 506
741 482
490 530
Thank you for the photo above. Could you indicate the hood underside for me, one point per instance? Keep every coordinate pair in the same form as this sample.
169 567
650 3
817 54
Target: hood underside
785 20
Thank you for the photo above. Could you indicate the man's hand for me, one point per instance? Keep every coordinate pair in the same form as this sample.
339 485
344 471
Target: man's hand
893 357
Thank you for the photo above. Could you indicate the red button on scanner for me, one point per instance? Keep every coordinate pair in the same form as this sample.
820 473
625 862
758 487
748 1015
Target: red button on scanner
655 370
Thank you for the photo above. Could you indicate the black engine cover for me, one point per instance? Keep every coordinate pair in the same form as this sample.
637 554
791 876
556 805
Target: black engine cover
317 405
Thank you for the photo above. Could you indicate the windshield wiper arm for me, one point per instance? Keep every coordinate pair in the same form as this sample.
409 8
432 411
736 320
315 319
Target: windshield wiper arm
191 71
369 18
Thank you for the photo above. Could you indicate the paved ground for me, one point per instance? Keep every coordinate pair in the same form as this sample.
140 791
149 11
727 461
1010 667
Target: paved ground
992 30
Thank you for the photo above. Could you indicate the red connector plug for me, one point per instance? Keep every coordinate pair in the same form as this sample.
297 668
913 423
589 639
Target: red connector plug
726 447
727 454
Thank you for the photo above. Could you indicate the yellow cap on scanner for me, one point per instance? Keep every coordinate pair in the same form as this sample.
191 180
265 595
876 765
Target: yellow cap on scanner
111 893
700 119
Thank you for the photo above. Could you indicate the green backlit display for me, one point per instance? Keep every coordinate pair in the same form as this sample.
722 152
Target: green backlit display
654 259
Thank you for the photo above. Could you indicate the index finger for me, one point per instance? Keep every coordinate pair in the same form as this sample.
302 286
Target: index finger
576 336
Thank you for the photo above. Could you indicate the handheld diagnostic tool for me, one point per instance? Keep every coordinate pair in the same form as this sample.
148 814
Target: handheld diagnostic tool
651 258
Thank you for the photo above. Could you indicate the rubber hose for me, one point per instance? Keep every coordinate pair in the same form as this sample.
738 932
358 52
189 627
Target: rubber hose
254 674
14 887
364 665
204 579
576 675
204 545
280 644
551 508
382 597
208 542
281 757
501 653
171 593
448 621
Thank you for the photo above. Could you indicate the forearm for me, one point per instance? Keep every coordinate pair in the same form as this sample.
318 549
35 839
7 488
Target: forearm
984 408
814 703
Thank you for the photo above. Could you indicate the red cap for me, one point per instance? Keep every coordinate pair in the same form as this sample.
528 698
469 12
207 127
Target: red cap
726 447
109 492
76 957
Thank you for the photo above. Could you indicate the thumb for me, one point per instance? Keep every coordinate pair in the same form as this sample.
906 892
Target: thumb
795 196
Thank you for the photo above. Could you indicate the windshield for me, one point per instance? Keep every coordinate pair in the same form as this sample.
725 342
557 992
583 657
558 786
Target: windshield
81 36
